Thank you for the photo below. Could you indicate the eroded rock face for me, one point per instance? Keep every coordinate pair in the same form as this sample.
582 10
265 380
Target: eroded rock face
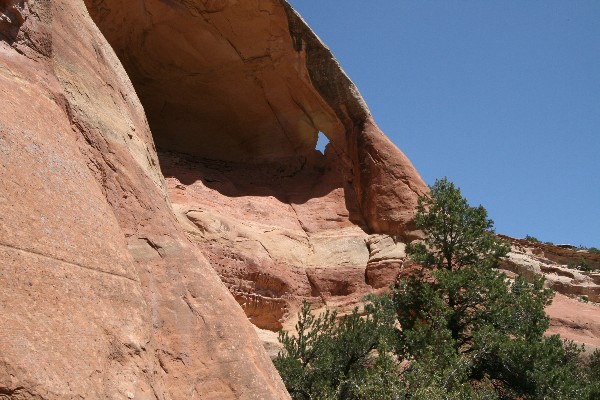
250 82
574 320
272 243
108 286
557 265
101 293
575 309
278 237
12 17
236 93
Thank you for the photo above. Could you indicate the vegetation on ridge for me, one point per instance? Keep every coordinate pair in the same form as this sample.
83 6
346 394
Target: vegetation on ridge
456 328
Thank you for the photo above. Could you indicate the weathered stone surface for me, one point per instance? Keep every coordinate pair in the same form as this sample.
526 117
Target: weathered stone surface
386 259
101 293
235 96
272 244
385 248
570 316
574 320
557 266
382 273
250 82
106 289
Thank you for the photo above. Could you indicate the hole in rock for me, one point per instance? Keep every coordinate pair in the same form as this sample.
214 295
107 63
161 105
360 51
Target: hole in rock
234 126
322 142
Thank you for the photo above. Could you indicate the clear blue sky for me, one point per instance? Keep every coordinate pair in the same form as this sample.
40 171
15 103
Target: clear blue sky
502 97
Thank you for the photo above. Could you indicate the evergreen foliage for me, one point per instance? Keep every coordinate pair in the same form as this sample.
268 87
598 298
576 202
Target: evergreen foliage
533 239
345 359
456 328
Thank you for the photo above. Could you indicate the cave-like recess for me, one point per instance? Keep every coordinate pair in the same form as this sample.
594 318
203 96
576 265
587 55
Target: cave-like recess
249 82
218 83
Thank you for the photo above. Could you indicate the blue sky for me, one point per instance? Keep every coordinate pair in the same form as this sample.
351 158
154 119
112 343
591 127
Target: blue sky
502 97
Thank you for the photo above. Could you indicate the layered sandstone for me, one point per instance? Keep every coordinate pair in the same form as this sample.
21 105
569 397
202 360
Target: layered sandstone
559 265
575 309
236 93
101 293
273 243
108 287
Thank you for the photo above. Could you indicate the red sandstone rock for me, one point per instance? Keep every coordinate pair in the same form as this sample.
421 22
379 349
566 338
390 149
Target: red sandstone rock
276 237
235 96
250 82
382 273
101 294
557 265
263 232
570 316
574 320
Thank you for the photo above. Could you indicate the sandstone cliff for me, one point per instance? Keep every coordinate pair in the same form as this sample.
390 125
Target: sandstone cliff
129 270
236 93
102 292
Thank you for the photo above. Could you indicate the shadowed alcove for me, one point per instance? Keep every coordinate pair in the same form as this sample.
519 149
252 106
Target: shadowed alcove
237 95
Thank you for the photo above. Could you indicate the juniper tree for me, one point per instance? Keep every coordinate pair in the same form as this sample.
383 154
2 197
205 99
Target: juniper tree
456 328
459 309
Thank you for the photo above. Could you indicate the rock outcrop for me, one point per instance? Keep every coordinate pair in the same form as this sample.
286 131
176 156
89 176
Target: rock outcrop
575 320
250 82
108 287
101 293
575 309
559 265
129 272
272 242
236 94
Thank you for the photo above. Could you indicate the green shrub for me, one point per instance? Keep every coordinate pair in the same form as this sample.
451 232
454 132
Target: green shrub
456 328
594 250
341 359
582 265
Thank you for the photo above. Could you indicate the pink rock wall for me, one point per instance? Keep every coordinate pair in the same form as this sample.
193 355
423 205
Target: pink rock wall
101 293
108 286
236 93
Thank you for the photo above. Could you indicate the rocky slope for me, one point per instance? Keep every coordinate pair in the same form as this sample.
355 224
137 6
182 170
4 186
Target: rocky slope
575 310
566 269
102 293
